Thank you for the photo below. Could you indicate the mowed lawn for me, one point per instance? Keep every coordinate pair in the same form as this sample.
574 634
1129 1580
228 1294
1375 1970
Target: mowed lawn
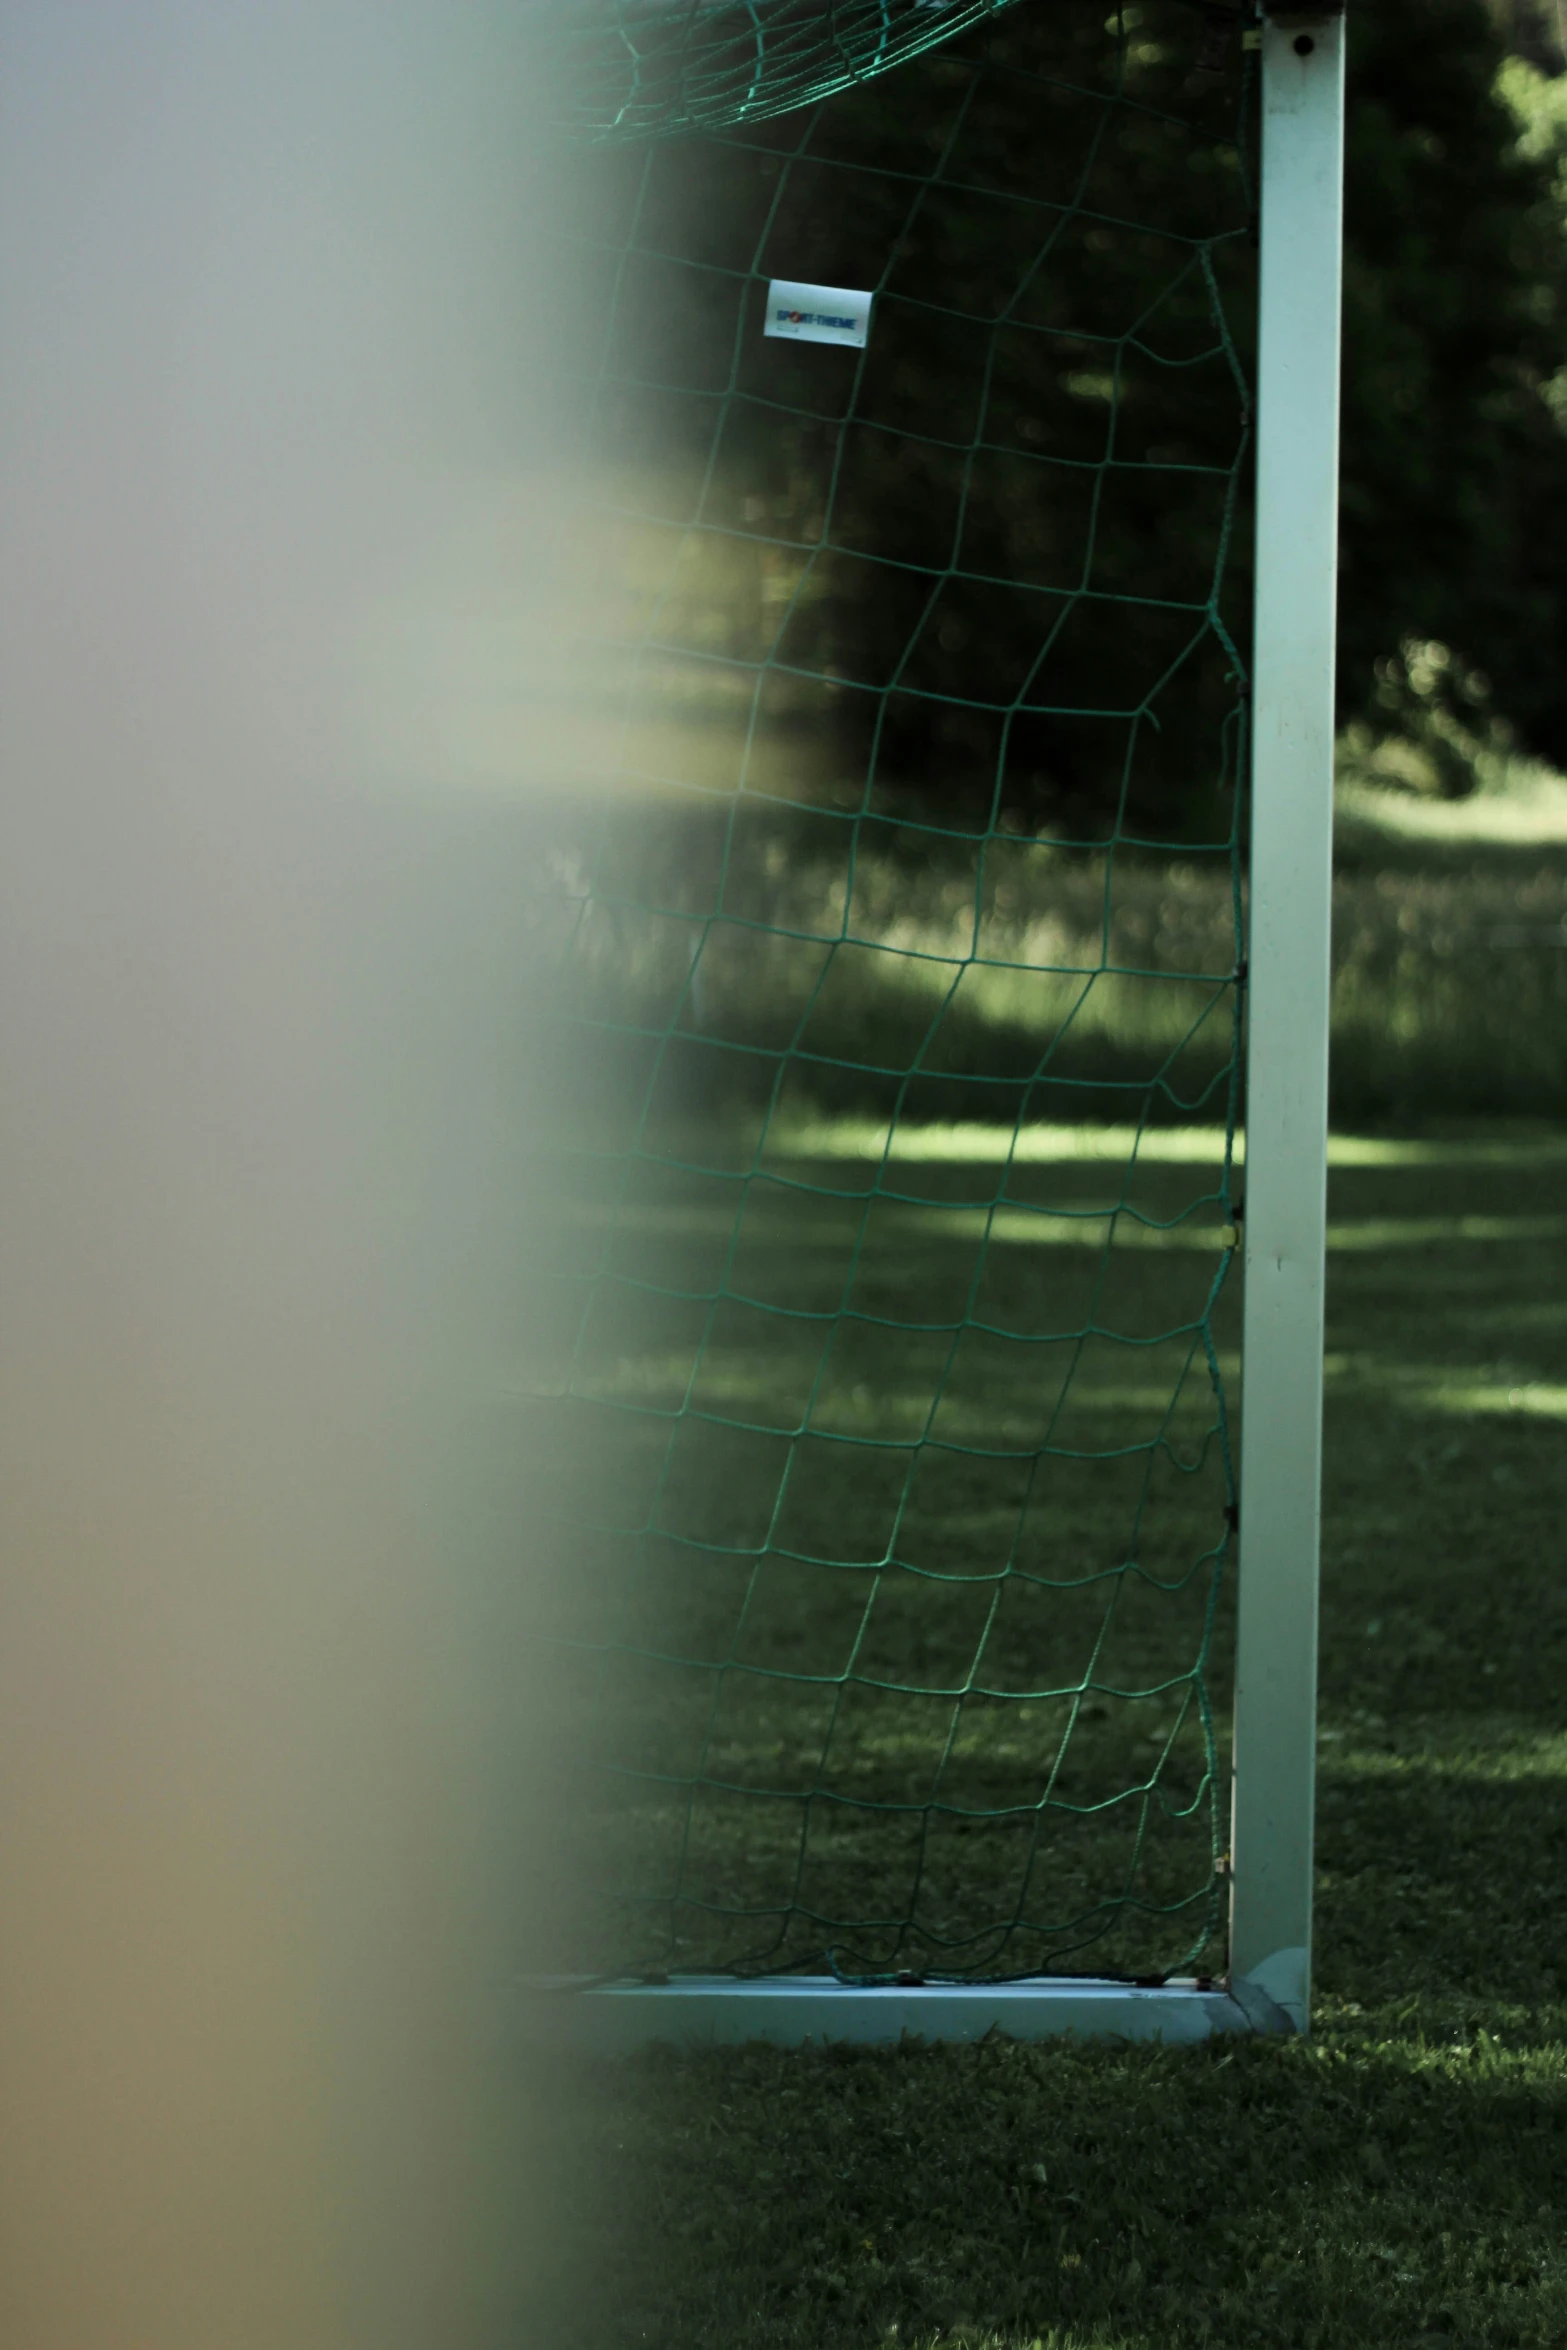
1398 2180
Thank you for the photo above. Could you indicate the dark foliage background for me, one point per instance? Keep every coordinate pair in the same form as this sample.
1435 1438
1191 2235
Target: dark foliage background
976 446
1455 467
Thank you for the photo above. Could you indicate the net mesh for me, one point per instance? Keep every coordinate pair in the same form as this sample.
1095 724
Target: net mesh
901 1005
650 68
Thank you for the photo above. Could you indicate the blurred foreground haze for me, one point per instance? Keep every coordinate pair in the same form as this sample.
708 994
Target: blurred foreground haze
279 470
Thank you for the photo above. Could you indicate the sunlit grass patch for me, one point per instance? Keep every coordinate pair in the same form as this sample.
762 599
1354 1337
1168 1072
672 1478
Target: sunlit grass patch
1400 2180
1521 803
953 1144
1463 1397
1043 1144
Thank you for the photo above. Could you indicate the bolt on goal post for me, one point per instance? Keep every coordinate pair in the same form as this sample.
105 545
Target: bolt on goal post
1283 1226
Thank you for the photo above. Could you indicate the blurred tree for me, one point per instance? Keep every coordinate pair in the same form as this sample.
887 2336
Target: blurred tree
1535 30
1455 333
986 554
977 586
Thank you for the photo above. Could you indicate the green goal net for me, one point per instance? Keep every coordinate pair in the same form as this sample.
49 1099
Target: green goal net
653 68
902 995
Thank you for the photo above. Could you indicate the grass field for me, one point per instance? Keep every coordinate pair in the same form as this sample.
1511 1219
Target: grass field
1400 2179
1450 975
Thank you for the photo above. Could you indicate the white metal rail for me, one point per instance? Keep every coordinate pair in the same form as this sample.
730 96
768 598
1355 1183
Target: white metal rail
1287 1059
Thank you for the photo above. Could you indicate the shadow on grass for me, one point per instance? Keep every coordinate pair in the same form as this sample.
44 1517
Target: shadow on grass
1396 2182
1446 1883
1233 2193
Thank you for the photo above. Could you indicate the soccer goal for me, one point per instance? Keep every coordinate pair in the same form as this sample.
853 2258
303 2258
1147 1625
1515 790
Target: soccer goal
949 954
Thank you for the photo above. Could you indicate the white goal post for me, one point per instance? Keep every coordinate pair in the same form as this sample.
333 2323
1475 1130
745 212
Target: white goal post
1288 978
1268 1988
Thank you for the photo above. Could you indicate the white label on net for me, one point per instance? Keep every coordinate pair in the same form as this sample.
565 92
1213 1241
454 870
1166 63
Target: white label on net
817 314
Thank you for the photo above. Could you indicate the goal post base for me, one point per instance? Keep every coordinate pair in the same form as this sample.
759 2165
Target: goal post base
792 2011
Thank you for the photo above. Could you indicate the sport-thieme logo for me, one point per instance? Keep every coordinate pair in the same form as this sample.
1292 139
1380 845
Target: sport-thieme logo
817 318
817 314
